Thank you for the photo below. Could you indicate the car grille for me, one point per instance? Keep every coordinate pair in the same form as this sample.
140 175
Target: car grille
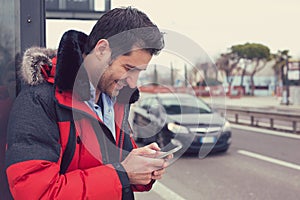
206 130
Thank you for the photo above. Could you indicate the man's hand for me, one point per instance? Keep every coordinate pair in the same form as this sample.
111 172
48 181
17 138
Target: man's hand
156 175
142 166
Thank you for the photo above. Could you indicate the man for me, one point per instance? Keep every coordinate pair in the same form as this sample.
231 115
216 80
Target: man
68 136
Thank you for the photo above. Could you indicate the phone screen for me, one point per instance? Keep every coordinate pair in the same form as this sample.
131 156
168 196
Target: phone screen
165 154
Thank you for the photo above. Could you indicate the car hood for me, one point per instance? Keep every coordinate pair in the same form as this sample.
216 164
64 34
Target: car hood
196 119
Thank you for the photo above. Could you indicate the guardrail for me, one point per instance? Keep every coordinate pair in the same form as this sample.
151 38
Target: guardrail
204 91
279 120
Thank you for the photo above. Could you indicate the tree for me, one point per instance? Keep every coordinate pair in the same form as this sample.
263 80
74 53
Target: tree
280 59
257 55
228 62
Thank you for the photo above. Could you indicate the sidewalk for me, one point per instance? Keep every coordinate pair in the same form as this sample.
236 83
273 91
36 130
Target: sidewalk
263 102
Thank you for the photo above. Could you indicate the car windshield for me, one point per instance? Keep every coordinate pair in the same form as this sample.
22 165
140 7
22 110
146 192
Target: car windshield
186 105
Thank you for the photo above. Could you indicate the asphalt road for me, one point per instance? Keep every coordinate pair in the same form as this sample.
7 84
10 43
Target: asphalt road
257 166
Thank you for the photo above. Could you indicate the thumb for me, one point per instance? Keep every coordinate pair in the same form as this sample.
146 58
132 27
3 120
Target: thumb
148 150
153 146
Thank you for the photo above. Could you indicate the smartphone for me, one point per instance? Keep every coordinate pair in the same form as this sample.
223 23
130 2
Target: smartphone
165 154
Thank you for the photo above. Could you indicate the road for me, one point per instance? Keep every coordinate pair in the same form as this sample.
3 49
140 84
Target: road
257 166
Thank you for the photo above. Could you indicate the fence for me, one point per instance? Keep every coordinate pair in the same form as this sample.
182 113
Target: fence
262 118
197 90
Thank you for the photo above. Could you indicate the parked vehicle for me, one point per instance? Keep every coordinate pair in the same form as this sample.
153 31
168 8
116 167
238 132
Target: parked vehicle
182 117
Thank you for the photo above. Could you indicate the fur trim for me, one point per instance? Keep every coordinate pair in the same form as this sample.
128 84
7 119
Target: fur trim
33 60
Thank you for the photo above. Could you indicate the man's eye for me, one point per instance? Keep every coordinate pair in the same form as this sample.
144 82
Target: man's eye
128 67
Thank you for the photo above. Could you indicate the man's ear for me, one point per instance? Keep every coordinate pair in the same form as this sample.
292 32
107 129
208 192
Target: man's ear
102 48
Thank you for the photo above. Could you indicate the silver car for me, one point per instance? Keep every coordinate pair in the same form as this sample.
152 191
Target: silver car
182 117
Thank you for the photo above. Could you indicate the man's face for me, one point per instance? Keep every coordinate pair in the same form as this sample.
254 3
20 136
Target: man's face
123 71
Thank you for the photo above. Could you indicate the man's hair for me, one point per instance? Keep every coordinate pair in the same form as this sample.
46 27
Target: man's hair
125 28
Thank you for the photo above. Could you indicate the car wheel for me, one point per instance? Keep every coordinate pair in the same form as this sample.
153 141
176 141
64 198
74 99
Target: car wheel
135 135
137 139
224 150
161 140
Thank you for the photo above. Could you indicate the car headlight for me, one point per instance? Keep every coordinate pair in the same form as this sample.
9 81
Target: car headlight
226 127
175 128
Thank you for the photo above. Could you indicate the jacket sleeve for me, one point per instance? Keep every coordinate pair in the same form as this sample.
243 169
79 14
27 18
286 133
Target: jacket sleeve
33 158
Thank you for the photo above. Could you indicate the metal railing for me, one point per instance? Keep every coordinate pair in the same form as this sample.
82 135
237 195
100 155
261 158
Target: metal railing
276 120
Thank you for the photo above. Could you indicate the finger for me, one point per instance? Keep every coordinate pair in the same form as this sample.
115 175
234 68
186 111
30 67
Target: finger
146 150
169 157
145 164
158 172
156 164
164 165
143 176
164 155
156 175
152 150
153 146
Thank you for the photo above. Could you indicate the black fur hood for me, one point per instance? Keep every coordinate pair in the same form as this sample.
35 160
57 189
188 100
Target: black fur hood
68 67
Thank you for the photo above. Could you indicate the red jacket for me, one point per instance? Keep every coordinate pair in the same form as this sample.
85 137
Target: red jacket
41 124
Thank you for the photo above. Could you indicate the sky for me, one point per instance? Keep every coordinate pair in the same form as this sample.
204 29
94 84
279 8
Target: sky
214 25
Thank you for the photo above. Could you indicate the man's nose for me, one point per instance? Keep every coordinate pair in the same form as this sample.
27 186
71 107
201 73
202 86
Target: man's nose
132 79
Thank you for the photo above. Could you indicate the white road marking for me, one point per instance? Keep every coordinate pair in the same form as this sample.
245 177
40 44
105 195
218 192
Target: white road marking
165 193
266 131
269 159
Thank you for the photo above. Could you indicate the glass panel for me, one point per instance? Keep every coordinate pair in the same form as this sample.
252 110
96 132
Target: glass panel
9 48
191 105
9 56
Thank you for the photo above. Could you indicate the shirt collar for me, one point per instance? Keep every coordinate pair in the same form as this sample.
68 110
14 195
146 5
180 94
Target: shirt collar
92 93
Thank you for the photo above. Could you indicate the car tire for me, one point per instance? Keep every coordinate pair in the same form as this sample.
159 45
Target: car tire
224 150
137 139
161 140
135 135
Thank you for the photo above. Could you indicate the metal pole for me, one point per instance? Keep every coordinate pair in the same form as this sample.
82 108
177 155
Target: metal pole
32 23
185 76
172 75
91 6
32 27
155 76
299 73
62 4
107 5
